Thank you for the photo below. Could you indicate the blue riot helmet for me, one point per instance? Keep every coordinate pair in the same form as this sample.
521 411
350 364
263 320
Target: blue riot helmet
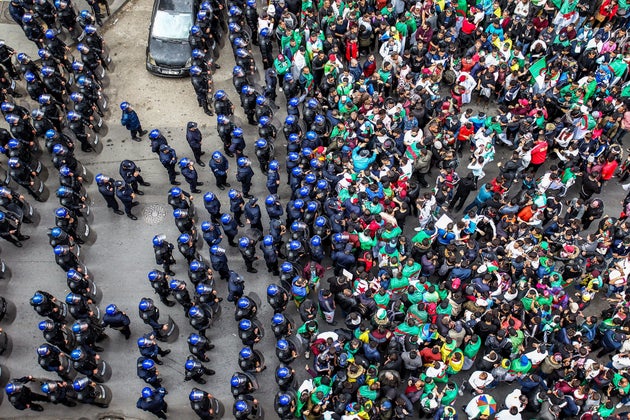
246 353
245 324
272 290
268 240
277 319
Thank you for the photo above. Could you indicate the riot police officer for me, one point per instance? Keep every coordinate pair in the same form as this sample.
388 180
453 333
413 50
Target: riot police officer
77 125
157 140
277 297
160 282
107 188
87 333
236 205
273 177
230 228
222 104
250 360
200 272
249 332
148 372
180 199
125 194
10 226
199 319
59 392
57 334
52 359
87 393
130 173
202 84
239 80
285 405
219 262
117 319
244 175
186 243
225 127
79 307
198 345
237 144
153 401
168 159
203 404
246 308
286 351
270 254
195 370
181 294
21 396
190 174
263 154
86 364
184 221
247 246
213 206
251 17
264 109
248 102
211 233
241 383
236 287
163 253
246 408
149 348
194 138
219 166
266 47
281 326
285 377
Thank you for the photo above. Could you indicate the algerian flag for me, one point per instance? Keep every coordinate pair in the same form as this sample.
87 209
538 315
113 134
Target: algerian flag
538 68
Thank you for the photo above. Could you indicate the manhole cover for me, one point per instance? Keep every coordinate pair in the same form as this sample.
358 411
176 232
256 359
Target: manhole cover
154 214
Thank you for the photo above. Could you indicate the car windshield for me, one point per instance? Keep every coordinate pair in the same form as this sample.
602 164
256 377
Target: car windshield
171 25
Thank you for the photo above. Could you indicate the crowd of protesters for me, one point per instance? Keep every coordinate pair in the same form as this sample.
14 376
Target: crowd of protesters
382 156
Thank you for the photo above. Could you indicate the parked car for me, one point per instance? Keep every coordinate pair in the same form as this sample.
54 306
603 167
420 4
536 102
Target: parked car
168 51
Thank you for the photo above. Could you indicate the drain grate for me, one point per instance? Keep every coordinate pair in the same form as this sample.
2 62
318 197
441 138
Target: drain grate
154 214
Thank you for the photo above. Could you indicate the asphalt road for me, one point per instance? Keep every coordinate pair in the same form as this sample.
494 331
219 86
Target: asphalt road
122 254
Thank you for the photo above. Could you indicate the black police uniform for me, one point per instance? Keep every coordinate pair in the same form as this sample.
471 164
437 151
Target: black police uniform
236 287
130 173
25 398
118 321
164 256
194 138
254 215
154 404
200 347
219 169
197 372
191 176
270 254
149 376
160 287
124 192
220 265
168 159
244 175
108 191
236 207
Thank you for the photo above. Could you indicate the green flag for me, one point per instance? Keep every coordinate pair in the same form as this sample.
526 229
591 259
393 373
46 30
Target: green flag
537 68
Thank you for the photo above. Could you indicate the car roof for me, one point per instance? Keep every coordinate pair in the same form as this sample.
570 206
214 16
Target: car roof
184 6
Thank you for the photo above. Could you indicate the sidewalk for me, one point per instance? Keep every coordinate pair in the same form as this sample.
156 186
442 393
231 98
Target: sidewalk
14 37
